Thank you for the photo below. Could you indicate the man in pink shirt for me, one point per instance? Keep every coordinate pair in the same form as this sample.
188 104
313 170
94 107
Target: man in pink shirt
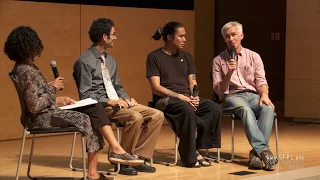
241 84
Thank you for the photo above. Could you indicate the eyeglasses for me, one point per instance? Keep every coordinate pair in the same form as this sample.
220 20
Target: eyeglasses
114 34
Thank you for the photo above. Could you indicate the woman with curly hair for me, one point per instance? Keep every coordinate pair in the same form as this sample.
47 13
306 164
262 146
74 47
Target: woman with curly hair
23 46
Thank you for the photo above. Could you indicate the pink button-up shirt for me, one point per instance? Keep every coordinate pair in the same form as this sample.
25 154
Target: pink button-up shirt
249 75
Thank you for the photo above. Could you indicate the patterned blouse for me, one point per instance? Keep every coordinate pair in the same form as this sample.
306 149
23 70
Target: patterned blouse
40 98
41 109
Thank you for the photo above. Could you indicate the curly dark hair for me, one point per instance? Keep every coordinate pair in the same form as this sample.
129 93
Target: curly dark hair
23 42
99 27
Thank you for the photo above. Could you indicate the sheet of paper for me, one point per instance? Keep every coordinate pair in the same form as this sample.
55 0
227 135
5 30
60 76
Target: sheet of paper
81 103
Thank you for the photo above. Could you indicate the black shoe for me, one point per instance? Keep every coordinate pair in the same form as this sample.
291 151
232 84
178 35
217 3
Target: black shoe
127 170
145 168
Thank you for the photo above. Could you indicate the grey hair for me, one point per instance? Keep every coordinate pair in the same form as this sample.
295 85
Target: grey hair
230 25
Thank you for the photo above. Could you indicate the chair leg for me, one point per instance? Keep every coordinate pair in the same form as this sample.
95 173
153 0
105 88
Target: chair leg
109 152
175 155
84 169
84 158
276 130
118 139
21 153
232 149
151 162
31 155
213 158
176 150
232 144
72 151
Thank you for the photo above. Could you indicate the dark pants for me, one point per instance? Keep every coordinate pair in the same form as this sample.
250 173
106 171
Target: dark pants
97 115
90 119
184 121
96 112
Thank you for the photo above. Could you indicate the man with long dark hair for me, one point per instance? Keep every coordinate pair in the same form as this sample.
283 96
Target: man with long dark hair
172 76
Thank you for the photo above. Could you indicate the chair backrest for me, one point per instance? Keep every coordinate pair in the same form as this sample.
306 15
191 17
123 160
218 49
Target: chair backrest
23 106
75 80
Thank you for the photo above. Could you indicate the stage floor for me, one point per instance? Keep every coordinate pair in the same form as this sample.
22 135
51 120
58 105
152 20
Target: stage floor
298 148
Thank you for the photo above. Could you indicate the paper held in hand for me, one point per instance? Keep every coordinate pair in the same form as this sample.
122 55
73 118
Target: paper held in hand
81 103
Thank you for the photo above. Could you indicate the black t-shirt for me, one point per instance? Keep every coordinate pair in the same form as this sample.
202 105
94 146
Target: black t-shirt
172 70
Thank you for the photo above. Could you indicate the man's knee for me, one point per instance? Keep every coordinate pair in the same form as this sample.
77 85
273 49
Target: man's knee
215 107
267 109
157 116
187 108
136 117
98 106
245 109
246 114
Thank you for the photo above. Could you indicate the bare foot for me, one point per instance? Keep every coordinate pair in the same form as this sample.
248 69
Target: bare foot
118 150
94 176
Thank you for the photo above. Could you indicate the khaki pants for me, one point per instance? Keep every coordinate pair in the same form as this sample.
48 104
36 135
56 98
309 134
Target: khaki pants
137 140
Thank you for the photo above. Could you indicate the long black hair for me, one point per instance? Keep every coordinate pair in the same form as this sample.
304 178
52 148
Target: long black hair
169 29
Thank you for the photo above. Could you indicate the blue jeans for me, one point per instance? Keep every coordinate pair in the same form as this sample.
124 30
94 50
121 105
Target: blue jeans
257 120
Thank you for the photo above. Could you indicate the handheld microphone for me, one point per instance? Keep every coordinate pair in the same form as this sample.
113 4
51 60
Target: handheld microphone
195 91
53 65
116 107
233 52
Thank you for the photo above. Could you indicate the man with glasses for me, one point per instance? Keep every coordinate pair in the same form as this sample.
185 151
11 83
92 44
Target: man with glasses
96 75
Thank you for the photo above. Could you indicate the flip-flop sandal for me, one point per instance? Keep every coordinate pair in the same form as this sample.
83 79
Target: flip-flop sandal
201 161
204 164
188 165
192 165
